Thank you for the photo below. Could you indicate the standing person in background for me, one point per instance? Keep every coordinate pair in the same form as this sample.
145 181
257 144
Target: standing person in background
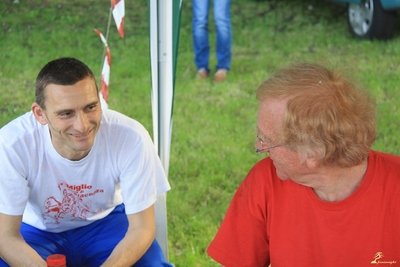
77 180
222 19
323 197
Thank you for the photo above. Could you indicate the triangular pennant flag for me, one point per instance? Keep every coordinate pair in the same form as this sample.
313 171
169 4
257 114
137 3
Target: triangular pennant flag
118 11
105 72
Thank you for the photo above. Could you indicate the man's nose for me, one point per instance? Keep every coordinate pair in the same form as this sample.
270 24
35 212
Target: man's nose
81 122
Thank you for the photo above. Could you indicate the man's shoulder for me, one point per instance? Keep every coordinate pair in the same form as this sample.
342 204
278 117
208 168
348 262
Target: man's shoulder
113 117
21 126
262 174
115 124
264 166
386 157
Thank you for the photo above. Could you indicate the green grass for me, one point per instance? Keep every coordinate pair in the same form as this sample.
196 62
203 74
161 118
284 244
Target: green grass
213 130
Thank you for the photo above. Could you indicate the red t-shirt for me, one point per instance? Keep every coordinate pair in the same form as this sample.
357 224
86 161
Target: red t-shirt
281 223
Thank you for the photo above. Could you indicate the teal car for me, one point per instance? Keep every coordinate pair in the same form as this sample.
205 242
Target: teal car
371 19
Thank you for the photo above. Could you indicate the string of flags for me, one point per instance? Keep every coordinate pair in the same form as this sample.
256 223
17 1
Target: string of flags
118 12
105 72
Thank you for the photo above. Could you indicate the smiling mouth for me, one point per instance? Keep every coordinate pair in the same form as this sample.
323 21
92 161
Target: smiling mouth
82 135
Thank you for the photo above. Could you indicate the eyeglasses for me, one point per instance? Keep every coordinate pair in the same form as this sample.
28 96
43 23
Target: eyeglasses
262 143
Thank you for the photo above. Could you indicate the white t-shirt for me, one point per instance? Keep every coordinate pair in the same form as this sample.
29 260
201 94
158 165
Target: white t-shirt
56 194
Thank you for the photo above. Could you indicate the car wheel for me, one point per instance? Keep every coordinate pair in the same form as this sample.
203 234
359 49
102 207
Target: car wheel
369 20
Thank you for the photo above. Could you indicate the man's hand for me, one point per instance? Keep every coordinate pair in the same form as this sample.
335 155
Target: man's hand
13 248
138 238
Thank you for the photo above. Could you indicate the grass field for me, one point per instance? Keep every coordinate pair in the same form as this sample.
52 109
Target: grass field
213 130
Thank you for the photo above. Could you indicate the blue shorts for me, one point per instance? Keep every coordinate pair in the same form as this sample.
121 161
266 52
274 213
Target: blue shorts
89 245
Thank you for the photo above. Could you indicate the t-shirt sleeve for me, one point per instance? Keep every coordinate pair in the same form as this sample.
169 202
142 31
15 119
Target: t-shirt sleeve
142 177
13 184
242 238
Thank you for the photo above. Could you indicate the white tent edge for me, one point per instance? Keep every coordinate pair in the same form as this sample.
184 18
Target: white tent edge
162 69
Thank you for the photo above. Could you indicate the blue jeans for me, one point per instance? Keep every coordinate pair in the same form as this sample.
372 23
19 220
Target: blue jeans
222 20
89 245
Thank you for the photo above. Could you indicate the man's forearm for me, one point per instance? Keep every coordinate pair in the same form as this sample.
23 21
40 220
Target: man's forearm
130 249
13 248
16 252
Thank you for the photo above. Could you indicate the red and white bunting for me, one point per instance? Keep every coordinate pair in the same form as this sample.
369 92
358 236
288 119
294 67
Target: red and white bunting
105 72
118 11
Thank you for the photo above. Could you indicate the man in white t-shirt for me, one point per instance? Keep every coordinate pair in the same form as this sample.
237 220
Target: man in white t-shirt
77 180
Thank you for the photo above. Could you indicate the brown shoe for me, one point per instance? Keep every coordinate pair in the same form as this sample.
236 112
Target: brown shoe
202 74
220 75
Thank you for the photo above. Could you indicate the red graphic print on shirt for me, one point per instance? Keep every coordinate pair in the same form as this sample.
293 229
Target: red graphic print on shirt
73 205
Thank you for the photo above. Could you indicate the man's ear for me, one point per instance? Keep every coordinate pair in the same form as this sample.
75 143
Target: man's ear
313 161
39 113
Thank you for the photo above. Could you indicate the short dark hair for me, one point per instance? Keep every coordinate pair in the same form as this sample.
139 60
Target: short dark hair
62 71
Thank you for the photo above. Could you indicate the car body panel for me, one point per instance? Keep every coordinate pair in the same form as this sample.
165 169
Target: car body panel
386 4
390 4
